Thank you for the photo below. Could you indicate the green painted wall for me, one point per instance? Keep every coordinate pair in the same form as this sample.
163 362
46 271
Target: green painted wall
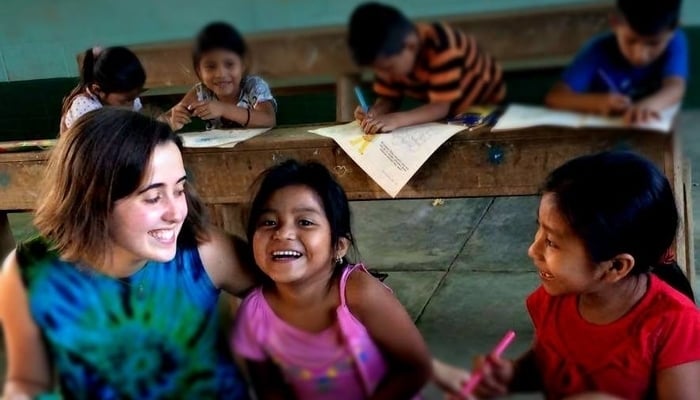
38 45
40 38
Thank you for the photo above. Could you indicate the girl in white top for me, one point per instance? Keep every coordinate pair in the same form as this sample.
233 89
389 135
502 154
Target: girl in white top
108 77
226 97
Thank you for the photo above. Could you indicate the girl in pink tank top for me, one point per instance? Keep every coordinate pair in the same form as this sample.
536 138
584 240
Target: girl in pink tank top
319 327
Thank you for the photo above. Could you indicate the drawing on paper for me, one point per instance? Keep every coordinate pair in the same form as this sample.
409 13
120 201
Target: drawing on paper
362 142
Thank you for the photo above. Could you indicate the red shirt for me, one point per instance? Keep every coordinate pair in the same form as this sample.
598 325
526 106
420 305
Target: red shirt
620 358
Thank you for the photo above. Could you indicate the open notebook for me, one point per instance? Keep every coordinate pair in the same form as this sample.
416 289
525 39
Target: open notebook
519 116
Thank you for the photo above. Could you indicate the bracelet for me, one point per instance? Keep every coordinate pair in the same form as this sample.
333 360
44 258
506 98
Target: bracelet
247 120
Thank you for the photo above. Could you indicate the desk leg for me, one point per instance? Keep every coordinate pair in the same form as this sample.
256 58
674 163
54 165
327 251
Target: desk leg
345 102
687 214
679 179
7 241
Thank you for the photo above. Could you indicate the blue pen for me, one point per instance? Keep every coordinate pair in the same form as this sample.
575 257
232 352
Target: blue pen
608 81
361 99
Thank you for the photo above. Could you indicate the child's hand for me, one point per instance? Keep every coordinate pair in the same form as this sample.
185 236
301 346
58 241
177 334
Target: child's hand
360 114
179 117
449 378
497 374
640 114
382 123
208 109
614 103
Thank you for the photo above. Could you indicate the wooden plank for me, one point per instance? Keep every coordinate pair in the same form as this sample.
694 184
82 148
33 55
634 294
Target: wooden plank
478 163
288 58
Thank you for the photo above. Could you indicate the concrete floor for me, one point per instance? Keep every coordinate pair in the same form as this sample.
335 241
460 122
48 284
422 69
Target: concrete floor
461 268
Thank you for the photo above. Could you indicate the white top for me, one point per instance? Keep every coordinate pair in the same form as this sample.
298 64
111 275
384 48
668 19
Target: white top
84 103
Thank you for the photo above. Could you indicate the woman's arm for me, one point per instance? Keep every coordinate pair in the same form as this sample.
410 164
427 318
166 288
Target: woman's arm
393 331
228 262
28 371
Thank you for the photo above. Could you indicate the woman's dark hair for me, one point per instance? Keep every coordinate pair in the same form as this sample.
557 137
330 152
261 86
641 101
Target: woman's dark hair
114 70
619 202
101 159
317 178
215 36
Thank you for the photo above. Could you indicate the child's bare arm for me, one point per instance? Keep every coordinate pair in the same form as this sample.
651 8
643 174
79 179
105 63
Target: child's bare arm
391 328
419 115
670 93
179 115
262 115
562 97
681 382
382 106
267 381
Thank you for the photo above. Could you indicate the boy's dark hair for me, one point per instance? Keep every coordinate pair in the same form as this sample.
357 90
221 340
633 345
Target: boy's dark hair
314 176
619 202
101 159
650 17
377 30
217 36
114 70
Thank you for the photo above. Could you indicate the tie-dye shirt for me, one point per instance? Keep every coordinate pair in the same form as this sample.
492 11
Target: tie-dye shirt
154 335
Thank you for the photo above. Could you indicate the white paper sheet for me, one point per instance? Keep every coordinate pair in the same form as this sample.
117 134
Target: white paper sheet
390 159
519 116
219 137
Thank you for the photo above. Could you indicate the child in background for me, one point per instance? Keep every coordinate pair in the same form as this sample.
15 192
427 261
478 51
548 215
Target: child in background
108 77
605 324
226 97
320 327
637 70
434 63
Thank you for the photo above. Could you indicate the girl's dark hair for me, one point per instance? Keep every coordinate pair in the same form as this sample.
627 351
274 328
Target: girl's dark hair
619 202
114 70
98 161
217 35
316 177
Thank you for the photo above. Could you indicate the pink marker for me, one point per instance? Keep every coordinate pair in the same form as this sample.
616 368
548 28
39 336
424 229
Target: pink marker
496 352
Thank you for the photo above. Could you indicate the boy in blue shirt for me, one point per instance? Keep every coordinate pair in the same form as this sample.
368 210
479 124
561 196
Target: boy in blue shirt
636 70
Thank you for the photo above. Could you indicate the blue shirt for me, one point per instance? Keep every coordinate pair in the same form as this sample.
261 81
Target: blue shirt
154 335
600 65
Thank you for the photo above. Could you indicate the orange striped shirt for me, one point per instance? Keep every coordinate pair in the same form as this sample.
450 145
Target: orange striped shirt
450 67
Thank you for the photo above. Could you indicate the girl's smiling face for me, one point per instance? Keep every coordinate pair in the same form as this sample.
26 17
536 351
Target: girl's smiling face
145 225
292 240
560 255
221 71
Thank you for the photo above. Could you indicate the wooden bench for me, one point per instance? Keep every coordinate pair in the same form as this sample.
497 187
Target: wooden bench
318 58
479 163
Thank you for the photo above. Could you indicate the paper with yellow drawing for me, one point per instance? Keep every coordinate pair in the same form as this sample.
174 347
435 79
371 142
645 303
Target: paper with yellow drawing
390 159
219 137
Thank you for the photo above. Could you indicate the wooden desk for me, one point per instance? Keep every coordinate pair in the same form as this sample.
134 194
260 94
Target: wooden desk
479 163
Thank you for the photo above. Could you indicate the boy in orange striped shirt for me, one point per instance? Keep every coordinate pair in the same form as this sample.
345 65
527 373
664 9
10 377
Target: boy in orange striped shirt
434 63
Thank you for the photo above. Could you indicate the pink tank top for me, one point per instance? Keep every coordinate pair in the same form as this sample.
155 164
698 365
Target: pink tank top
341 362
